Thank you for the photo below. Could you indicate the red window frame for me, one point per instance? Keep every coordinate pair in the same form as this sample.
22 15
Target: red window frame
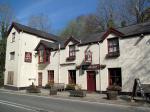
72 51
113 44
88 56
46 56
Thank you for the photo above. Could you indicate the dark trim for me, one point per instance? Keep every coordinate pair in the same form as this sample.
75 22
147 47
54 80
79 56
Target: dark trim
14 24
75 41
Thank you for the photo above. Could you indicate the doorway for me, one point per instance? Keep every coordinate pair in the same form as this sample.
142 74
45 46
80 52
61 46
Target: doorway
91 81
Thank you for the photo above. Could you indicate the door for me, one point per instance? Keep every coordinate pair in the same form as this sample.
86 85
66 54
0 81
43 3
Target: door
40 79
72 76
50 76
91 81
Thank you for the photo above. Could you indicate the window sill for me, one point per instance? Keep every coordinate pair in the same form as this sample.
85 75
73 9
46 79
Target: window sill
113 55
44 63
72 58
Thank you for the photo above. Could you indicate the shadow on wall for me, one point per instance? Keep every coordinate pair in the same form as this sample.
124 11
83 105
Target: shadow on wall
139 67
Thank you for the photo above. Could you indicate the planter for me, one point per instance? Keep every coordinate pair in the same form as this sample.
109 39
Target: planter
53 91
77 93
112 95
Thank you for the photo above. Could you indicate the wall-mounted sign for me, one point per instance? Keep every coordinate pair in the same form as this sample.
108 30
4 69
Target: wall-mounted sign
28 57
91 67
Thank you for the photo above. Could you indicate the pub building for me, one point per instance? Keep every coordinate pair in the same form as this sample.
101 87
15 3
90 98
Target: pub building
94 62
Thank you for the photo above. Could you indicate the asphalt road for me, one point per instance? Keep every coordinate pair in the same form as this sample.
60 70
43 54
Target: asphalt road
29 103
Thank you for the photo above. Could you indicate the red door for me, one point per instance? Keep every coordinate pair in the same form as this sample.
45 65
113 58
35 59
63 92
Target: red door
91 81
40 79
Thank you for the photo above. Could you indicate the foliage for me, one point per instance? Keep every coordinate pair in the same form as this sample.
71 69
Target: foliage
82 26
33 89
70 86
114 88
6 16
49 85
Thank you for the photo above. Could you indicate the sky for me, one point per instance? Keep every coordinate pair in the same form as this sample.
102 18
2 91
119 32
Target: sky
60 12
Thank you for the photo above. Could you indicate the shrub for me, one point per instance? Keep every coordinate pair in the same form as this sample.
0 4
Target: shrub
49 85
1 82
70 87
114 88
33 89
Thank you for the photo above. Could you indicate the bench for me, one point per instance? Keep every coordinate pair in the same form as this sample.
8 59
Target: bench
59 86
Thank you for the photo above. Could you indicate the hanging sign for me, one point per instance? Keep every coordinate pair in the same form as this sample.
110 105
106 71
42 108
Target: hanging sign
28 57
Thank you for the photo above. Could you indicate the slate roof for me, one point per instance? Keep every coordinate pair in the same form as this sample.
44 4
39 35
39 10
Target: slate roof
143 28
42 34
133 30
129 31
48 44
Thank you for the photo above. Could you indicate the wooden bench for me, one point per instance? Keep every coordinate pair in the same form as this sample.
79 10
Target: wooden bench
59 86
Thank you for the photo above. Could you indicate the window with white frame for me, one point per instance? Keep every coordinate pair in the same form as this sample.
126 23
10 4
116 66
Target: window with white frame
72 51
12 55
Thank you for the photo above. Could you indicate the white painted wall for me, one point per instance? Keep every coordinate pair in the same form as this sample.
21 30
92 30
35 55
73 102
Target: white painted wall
12 65
134 61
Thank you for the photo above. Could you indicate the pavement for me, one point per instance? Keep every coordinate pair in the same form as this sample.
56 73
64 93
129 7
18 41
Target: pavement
90 97
20 101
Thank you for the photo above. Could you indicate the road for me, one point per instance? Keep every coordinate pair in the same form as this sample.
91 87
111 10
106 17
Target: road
10 102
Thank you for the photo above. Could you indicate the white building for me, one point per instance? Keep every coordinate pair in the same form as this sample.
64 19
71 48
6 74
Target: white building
93 62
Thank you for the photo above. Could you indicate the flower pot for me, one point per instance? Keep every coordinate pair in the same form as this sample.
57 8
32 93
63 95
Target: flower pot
112 95
53 91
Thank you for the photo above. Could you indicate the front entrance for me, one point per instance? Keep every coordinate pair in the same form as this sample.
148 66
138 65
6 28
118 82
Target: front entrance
72 76
40 79
91 81
50 76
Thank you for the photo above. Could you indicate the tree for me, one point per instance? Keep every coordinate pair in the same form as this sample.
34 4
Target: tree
93 24
146 15
136 8
70 30
107 11
6 17
40 22
82 26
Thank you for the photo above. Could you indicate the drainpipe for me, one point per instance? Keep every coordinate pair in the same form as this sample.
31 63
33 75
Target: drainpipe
100 67
58 62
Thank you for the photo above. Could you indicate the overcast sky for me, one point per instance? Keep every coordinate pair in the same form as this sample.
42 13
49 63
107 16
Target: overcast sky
60 12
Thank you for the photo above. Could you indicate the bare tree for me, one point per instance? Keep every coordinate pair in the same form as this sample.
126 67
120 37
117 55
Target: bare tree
6 17
40 21
136 8
107 11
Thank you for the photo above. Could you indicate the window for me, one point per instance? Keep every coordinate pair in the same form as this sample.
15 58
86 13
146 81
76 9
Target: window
41 56
10 77
44 56
72 76
113 45
13 37
50 76
71 51
47 57
88 56
12 55
115 76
